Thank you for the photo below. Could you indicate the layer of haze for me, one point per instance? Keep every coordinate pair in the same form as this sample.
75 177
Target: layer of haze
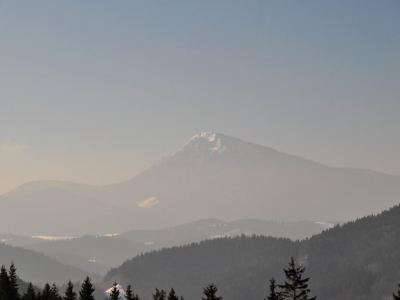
97 91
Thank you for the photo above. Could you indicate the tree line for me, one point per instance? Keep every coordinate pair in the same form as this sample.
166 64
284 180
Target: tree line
295 287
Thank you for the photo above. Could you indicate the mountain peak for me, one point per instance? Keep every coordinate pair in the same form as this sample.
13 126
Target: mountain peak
210 144
209 136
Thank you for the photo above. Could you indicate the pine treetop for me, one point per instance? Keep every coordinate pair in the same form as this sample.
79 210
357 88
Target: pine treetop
54 294
46 293
128 293
273 295
172 295
86 292
115 293
295 287
159 295
397 297
210 293
13 292
30 293
69 292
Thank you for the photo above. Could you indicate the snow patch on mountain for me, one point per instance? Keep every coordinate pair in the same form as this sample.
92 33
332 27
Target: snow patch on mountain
150 202
209 144
121 292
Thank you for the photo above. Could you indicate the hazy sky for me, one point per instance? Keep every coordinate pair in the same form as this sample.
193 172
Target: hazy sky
97 91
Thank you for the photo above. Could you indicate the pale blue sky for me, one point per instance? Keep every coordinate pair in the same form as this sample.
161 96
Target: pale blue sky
97 91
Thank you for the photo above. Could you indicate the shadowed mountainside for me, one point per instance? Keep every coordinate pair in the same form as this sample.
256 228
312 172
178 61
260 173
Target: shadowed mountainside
38 268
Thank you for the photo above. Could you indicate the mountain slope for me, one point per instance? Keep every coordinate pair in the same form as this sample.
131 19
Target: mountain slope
213 176
216 176
61 212
38 268
106 251
214 228
357 261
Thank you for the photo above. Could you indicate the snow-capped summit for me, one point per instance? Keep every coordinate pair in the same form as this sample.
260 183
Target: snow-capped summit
204 144
210 136
210 144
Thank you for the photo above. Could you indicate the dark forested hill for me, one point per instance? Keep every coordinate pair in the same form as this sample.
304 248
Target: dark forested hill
359 258
239 266
357 261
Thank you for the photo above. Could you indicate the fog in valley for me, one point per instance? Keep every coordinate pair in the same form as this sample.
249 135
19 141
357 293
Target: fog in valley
200 150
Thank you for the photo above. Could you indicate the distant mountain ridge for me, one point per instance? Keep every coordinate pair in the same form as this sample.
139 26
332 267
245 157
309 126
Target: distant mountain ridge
38 268
97 254
212 176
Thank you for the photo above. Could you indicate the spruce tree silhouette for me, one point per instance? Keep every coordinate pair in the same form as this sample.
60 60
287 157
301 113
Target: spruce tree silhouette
172 295
159 295
4 283
54 294
86 292
13 292
210 293
397 297
129 295
39 296
295 287
272 294
69 292
46 293
30 293
115 293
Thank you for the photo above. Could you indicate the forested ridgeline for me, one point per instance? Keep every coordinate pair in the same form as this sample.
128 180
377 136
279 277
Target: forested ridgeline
293 287
239 266
357 261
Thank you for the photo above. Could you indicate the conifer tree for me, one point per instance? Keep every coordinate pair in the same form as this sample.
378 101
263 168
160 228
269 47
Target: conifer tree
30 293
210 293
54 294
39 296
398 294
172 295
295 288
4 284
13 288
129 295
272 294
46 293
86 292
159 295
114 295
69 292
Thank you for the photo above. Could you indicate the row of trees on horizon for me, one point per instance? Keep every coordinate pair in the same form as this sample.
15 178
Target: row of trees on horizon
295 287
